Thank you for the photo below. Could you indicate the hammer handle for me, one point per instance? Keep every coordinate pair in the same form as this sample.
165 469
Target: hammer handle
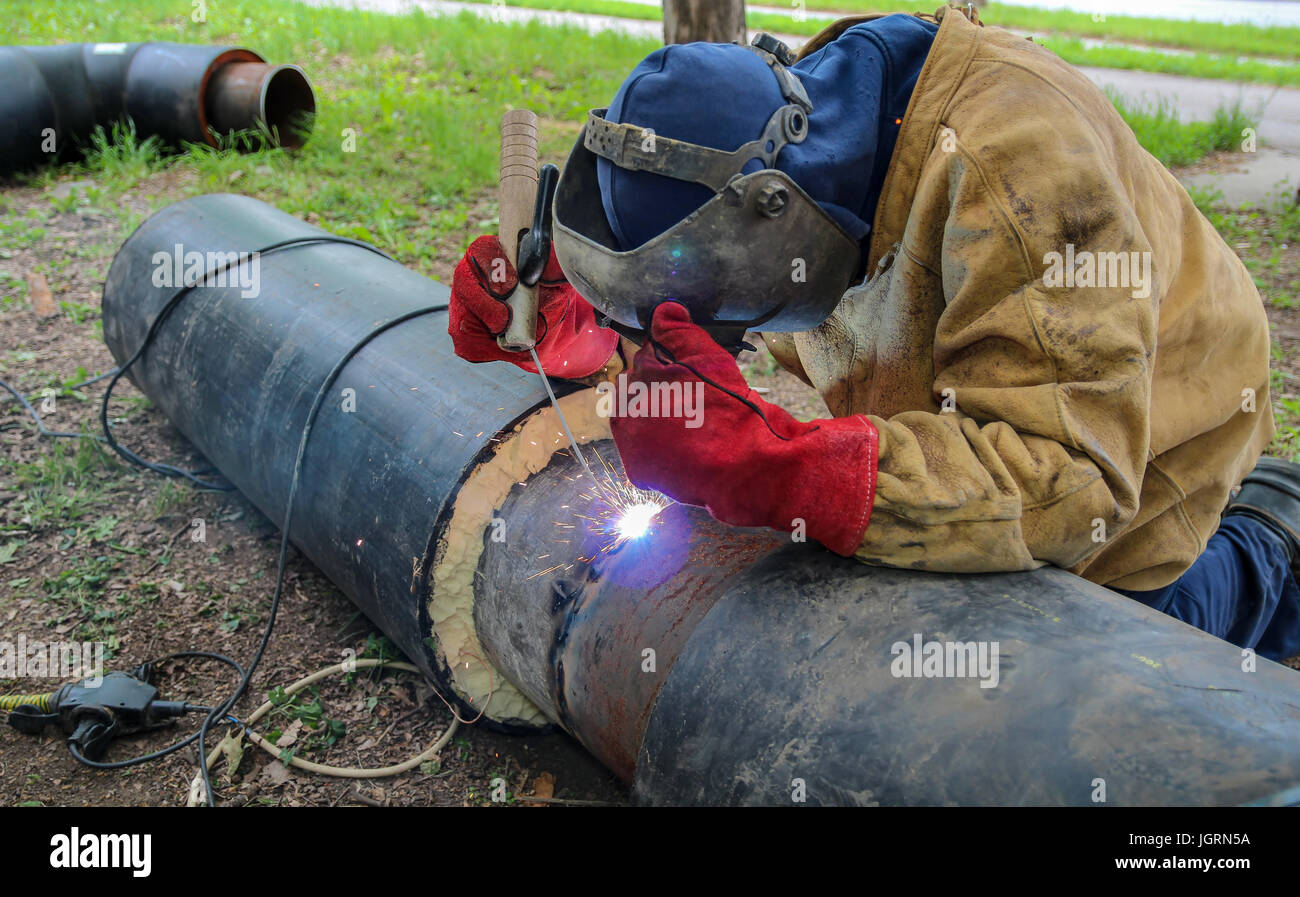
517 192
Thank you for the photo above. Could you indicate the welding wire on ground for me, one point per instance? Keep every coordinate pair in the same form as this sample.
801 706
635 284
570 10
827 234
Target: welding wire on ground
40 424
346 772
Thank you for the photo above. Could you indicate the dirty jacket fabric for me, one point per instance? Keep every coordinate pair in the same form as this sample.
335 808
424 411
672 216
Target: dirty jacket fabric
1038 399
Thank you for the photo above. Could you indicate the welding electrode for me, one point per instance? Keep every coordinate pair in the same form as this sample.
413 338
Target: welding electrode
526 198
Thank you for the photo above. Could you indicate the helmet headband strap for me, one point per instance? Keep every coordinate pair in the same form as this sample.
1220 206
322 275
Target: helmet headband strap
639 149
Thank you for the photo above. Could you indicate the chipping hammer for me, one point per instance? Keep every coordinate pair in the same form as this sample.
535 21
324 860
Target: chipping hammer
526 198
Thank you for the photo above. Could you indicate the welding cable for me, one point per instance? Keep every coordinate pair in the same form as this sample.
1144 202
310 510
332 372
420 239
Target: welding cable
345 772
666 356
44 703
172 748
286 526
40 424
167 469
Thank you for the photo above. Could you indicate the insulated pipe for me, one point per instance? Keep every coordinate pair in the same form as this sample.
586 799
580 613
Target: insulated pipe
703 663
237 373
53 98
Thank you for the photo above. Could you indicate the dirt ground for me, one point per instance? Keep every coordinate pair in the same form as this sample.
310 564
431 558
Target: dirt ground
92 549
115 563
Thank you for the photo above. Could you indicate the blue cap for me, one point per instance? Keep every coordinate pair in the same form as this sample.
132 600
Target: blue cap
722 95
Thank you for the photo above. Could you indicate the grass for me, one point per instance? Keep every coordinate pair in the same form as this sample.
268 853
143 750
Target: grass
1259 237
404 151
1173 141
421 122
64 482
1199 65
1251 40
1062 33
421 98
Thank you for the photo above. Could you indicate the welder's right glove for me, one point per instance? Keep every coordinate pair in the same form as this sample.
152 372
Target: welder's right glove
749 462
569 343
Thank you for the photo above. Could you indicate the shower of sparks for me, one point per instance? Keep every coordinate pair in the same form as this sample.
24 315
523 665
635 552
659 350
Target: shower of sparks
620 512
617 512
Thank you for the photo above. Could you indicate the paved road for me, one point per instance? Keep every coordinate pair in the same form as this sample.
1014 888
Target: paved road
1256 12
1251 178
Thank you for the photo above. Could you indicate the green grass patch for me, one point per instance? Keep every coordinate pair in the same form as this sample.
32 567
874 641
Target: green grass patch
1061 32
64 481
1258 236
1173 141
1248 40
1198 65
404 152
405 139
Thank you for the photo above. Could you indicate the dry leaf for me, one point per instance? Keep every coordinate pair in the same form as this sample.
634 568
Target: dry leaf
290 736
233 747
276 772
543 786
38 292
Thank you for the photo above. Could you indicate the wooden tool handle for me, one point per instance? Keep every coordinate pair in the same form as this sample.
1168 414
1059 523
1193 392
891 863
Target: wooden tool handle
517 193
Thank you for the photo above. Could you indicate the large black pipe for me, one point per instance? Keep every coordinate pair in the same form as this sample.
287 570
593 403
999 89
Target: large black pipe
237 375
703 663
53 98
776 675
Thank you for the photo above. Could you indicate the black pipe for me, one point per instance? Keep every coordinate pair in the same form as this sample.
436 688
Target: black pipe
53 98
237 375
705 664
774 675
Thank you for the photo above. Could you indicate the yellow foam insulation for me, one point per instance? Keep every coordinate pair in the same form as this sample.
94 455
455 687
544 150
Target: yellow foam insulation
451 602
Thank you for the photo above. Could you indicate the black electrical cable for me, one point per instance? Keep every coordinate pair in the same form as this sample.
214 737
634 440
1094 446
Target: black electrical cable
172 748
285 529
167 469
40 424
194 476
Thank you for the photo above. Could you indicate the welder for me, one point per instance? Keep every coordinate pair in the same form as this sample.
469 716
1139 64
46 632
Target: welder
1034 349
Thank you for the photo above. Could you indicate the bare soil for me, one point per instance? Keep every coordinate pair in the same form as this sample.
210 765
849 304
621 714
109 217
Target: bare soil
143 585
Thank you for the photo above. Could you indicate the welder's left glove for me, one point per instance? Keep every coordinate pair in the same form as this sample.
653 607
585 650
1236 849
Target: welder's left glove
569 342
747 461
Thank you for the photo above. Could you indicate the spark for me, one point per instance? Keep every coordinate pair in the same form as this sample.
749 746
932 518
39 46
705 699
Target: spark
620 511
617 512
544 572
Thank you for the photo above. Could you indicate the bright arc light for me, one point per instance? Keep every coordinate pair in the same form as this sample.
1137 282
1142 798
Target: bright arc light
636 520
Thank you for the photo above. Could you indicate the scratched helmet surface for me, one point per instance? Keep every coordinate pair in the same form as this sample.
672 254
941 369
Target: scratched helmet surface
753 248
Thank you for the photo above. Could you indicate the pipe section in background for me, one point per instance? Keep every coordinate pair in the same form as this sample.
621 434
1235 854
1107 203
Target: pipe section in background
703 663
53 98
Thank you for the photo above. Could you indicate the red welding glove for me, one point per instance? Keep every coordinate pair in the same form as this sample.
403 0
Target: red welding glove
747 461
569 343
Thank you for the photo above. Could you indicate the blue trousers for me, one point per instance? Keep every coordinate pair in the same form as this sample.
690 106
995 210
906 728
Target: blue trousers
1240 589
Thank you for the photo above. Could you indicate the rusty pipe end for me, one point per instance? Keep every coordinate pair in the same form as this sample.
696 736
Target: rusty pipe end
257 96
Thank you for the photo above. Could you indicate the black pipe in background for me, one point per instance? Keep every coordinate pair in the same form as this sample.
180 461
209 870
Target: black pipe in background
53 98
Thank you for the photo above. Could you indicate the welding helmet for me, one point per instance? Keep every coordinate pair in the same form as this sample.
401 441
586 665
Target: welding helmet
758 252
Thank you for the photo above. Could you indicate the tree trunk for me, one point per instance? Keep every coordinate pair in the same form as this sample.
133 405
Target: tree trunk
718 21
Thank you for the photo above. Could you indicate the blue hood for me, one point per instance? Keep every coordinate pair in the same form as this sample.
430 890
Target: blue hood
722 95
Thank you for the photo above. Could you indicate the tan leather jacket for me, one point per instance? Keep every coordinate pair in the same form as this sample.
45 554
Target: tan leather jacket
1037 408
